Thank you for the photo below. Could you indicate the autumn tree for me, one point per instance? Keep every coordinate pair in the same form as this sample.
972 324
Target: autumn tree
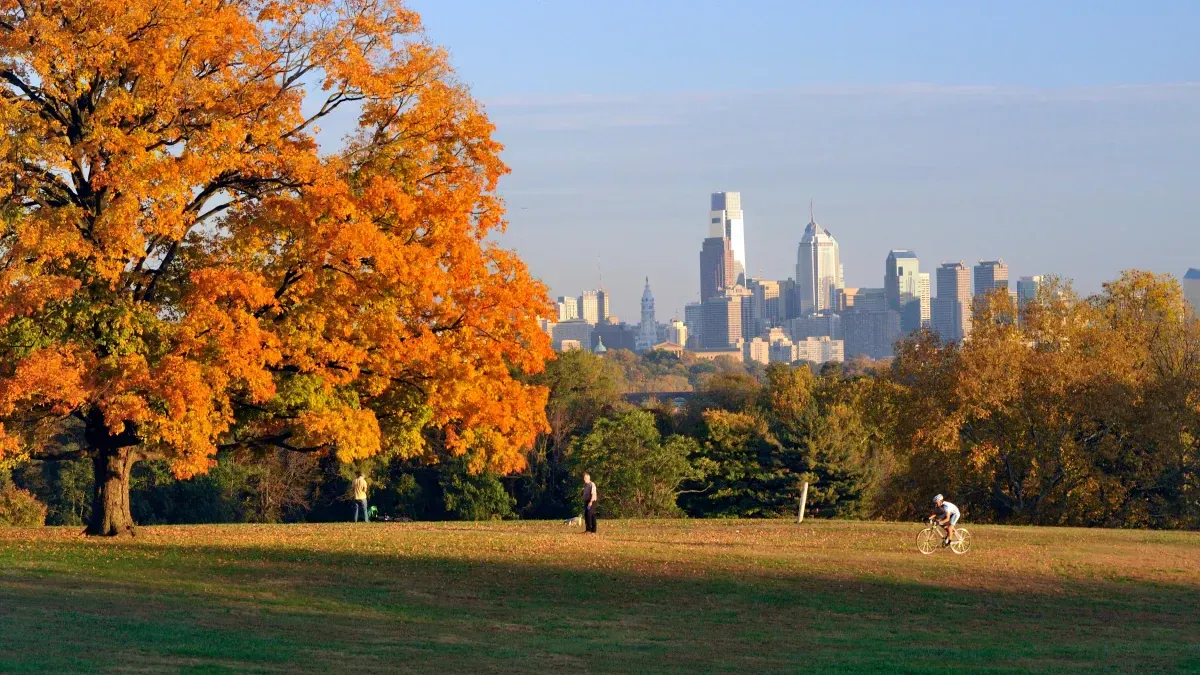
1082 413
182 270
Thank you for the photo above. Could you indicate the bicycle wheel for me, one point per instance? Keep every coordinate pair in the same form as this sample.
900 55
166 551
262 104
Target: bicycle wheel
963 543
928 541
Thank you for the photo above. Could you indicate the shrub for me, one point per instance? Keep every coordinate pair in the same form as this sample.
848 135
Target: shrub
19 508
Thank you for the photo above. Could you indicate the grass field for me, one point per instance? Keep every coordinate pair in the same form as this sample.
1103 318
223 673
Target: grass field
644 596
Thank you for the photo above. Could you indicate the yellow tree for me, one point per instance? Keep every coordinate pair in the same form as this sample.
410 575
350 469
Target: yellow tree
182 270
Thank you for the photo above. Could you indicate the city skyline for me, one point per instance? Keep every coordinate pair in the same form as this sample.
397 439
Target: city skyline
956 146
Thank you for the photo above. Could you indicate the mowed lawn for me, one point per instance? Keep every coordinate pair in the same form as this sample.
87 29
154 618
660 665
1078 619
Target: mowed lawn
643 596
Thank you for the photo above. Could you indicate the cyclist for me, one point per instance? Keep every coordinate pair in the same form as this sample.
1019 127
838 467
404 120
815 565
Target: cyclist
946 515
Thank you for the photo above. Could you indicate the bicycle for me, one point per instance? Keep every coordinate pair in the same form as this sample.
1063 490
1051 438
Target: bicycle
930 539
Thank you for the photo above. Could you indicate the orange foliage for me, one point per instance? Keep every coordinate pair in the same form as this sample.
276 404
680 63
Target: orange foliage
180 268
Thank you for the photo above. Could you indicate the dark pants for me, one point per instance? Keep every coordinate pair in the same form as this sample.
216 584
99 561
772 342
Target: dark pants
589 517
361 505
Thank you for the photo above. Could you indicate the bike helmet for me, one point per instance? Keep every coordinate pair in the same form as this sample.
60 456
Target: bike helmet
937 499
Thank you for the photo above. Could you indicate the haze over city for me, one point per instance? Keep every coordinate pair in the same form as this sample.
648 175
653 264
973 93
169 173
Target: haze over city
1058 137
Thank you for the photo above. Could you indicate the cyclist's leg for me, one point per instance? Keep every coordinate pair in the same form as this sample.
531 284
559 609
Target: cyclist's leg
953 520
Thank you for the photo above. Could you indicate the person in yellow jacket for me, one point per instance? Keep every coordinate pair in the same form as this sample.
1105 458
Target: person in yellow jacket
360 497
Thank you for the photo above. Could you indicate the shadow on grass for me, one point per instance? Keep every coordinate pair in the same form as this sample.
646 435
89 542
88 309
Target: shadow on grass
271 609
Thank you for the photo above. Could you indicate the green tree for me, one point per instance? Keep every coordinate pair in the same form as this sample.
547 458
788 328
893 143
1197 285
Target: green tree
638 473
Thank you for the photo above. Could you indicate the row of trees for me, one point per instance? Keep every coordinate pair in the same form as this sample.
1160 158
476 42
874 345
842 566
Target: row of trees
1084 411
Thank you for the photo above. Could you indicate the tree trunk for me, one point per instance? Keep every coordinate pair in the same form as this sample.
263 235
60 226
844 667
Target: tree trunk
110 503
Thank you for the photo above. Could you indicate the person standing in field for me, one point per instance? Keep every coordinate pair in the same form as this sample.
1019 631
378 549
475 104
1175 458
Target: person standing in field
590 495
360 497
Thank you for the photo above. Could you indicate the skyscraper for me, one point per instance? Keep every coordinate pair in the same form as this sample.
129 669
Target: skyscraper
818 269
1027 289
902 283
725 220
871 332
926 300
593 306
765 310
721 322
989 275
1191 288
693 318
952 307
716 267
568 307
648 329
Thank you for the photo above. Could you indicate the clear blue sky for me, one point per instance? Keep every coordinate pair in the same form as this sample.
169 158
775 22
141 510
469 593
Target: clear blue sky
1061 136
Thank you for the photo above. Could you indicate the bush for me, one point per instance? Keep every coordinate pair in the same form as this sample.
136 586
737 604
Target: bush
19 508
469 496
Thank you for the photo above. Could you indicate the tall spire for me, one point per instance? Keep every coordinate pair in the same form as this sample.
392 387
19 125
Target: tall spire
812 218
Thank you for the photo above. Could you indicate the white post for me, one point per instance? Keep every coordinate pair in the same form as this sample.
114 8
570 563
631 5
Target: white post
803 501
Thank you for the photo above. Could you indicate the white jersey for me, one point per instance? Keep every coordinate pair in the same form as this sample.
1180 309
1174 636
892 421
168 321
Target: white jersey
949 510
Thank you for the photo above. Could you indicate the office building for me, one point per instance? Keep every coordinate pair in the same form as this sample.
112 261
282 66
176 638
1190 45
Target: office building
902 285
923 290
568 307
615 336
764 305
818 269
756 349
865 299
952 306
1027 289
789 307
721 322
819 350
1191 288
593 306
990 275
648 328
725 220
716 268
576 330
693 318
816 325
872 333
677 332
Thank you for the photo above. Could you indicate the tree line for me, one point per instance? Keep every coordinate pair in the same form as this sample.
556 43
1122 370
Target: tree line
1068 411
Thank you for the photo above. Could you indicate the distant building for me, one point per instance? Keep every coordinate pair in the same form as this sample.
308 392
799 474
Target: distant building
871 333
818 269
615 336
757 349
593 306
734 353
670 347
789 307
648 328
923 289
693 318
575 330
717 272
866 299
677 332
764 306
547 326
721 321
820 350
725 220
1191 288
990 275
568 307
952 307
1027 289
568 345
816 325
902 285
